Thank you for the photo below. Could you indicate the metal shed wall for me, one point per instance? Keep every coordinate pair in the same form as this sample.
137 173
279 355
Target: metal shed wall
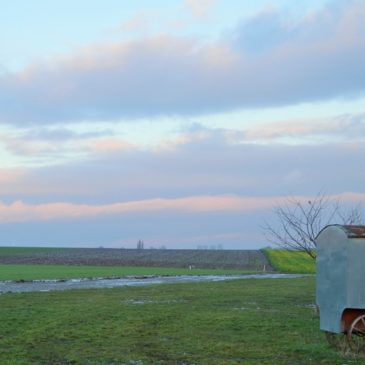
332 277
340 273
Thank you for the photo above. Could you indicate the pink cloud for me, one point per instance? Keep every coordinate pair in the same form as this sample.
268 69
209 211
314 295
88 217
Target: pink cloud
107 145
200 8
10 176
183 139
140 22
20 211
351 197
343 126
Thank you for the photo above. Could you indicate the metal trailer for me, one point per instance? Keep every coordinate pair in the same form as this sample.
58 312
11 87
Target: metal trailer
340 289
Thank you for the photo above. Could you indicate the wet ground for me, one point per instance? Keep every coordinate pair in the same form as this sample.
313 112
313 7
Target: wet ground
50 285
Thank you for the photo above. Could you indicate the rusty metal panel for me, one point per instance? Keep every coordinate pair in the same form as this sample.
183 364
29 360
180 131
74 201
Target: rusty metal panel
356 274
354 231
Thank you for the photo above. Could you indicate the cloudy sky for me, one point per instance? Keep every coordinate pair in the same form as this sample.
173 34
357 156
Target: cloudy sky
178 122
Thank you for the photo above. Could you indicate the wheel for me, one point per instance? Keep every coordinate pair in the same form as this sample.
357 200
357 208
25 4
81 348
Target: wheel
337 341
356 335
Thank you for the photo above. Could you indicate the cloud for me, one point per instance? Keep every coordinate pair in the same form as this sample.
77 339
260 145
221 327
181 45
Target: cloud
10 176
32 148
51 144
200 8
343 127
60 134
265 30
20 212
167 75
107 145
202 186
37 145
197 163
272 28
141 22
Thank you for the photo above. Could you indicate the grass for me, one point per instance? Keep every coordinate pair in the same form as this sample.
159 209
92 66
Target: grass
39 272
246 322
290 261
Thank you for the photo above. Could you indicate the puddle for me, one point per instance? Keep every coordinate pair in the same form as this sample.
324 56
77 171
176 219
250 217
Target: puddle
50 285
136 301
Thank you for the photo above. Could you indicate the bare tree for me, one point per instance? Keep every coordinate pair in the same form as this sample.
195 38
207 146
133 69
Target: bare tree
299 222
140 245
353 215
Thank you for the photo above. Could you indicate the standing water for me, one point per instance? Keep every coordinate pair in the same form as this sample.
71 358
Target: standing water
49 285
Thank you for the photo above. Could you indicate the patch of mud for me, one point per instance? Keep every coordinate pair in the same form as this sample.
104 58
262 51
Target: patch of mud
50 285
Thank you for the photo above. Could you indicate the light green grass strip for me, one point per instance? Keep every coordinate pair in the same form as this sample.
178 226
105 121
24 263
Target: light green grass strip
290 261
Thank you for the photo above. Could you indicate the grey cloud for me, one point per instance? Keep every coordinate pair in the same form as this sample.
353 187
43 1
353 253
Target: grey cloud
354 125
347 127
271 28
262 32
174 76
37 144
193 127
198 168
193 169
61 134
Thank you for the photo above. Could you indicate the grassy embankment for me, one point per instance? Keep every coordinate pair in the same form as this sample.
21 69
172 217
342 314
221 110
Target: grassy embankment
246 322
290 261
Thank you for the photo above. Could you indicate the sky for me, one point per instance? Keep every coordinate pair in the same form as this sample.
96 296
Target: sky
181 123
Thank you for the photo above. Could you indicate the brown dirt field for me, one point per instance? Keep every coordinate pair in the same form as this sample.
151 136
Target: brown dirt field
234 259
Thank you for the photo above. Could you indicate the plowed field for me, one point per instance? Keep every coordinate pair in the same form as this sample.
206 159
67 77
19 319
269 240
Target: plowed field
214 259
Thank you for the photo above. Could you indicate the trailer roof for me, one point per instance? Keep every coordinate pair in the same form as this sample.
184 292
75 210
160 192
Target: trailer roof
351 231
354 231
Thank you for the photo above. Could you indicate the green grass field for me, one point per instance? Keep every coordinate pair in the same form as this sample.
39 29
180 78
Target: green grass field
39 272
290 261
249 322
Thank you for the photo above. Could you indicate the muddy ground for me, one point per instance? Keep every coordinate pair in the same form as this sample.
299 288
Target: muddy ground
51 285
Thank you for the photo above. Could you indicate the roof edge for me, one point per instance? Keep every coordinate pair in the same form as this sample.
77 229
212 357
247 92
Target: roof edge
351 231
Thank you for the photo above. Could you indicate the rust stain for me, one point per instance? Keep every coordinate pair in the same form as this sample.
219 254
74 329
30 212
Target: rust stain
355 231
